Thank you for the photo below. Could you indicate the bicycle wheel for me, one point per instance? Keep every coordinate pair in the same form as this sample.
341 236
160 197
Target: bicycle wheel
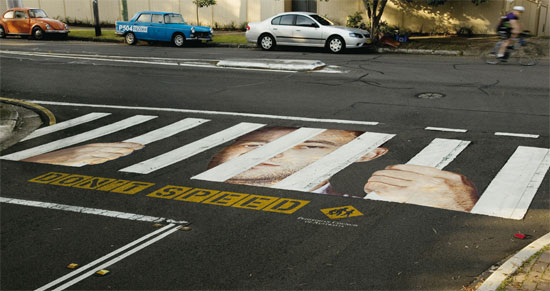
528 55
490 57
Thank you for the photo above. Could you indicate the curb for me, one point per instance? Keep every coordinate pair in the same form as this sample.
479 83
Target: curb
44 113
494 281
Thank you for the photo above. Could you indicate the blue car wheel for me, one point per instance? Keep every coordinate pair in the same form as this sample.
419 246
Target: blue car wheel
178 39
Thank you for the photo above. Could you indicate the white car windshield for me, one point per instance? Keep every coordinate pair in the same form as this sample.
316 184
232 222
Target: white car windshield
322 20
37 13
174 18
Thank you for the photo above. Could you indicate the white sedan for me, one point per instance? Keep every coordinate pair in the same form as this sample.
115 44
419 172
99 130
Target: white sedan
305 29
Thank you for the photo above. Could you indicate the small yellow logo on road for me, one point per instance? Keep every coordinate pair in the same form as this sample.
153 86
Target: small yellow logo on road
341 212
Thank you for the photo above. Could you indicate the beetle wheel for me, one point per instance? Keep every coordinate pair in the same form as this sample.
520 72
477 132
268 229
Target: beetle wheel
2 32
37 33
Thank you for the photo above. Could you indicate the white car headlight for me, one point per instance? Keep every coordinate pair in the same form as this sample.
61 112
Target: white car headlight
211 31
48 27
66 27
192 30
353 34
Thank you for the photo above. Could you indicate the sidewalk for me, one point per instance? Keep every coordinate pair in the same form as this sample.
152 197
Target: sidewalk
528 270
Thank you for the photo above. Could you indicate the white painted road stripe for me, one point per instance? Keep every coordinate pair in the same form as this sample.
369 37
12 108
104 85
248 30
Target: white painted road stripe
321 170
86 210
107 256
511 191
445 129
167 131
118 258
65 124
242 163
509 267
268 116
65 142
517 134
192 149
438 154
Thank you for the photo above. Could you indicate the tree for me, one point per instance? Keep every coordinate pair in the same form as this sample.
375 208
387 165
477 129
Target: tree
375 9
201 4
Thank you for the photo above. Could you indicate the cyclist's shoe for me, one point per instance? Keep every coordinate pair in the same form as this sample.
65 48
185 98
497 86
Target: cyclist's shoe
502 59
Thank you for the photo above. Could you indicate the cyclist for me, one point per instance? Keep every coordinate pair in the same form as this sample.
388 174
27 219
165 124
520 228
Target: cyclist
509 29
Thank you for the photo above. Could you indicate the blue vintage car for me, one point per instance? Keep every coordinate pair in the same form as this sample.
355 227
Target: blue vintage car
161 26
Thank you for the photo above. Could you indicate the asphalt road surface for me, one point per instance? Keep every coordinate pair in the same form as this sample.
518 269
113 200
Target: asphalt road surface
250 237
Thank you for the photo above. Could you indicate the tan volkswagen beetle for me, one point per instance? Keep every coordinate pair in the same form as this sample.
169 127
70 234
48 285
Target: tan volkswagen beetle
30 22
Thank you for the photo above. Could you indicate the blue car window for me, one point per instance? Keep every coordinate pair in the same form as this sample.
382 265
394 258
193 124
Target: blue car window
157 18
144 18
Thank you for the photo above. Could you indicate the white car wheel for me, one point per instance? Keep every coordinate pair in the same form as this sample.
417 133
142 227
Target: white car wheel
267 42
336 44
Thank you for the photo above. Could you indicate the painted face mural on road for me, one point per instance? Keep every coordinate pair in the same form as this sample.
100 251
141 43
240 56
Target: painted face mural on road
400 183
413 184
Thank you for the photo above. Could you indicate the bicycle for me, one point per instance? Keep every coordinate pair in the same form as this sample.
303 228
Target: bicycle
524 52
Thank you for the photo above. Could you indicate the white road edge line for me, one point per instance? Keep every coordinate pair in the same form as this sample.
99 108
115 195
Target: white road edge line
445 129
517 134
107 256
512 264
86 210
269 116
118 258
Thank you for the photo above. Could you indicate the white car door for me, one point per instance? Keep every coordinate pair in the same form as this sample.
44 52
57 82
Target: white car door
307 32
283 27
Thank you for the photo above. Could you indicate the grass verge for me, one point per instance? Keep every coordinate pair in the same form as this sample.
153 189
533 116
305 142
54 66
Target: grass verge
90 34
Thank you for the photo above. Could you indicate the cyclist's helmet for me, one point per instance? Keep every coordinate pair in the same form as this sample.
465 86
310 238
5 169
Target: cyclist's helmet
519 8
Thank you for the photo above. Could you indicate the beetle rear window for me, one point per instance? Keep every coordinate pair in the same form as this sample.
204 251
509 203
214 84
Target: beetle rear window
8 15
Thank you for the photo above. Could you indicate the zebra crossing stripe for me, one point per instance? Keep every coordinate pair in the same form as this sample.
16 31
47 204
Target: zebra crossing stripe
167 131
439 153
321 170
513 188
192 149
65 124
85 136
242 163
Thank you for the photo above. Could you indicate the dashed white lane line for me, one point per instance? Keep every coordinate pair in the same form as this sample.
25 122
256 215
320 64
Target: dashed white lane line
208 112
86 210
509 267
168 229
445 129
517 134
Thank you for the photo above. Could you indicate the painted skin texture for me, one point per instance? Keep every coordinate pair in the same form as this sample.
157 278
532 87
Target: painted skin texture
412 184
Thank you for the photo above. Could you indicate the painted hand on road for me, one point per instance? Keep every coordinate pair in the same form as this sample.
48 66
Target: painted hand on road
90 154
423 185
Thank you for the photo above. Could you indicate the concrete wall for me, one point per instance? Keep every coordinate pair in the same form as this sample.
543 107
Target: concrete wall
416 18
